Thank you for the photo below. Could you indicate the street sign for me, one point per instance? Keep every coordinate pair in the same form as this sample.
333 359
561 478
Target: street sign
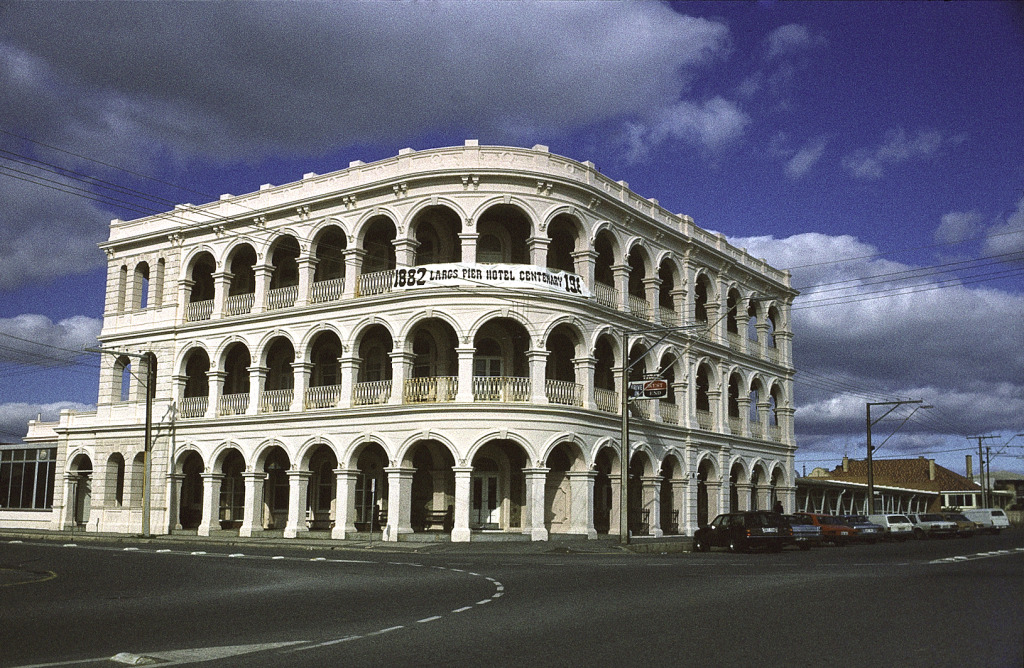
652 388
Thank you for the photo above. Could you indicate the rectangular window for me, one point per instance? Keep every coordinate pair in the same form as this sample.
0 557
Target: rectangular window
27 478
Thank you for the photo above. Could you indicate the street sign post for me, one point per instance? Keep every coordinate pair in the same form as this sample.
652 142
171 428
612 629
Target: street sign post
651 388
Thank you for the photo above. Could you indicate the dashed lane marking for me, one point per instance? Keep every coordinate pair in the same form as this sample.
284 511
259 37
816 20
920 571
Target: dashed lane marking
978 555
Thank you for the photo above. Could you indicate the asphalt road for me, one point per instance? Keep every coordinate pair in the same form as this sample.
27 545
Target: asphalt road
931 603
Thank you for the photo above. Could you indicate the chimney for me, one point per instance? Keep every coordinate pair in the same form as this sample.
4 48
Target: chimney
970 468
846 464
931 469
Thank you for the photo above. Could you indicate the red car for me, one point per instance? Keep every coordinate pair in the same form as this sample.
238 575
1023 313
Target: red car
832 528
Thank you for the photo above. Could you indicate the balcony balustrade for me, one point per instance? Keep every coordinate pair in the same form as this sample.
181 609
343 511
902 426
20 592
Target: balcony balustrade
756 430
431 389
705 420
370 393
233 404
735 341
501 388
735 426
330 290
606 400
201 310
640 409
282 297
193 407
566 393
669 318
775 433
669 412
276 401
376 283
639 307
322 396
606 295
239 304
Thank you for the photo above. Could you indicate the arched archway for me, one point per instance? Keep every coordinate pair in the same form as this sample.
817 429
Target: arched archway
190 500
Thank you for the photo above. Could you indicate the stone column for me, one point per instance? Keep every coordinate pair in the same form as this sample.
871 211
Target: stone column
302 372
399 502
348 367
263 273
584 261
538 249
651 486
533 520
744 402
613 515
680 489
257 377
184 292
216 380
585 377
345 503
298 485
405 252
715 399
172 520
537 360
465 354
307 268
353 270
252 513
468 242
743 496
581 494
221 287
620 273
652 291
401 368
463 483
211 502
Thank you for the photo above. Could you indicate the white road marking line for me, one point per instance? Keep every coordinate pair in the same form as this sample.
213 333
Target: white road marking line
428 619
236 555
483 602
197 554
463 609
387 630
70 545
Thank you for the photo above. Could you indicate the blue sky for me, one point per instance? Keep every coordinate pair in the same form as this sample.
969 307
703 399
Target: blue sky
875 149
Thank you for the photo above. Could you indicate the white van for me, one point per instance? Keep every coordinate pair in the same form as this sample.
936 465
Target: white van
896 526
992 520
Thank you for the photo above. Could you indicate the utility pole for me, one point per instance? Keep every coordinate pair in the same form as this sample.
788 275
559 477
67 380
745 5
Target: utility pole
871 470
981 470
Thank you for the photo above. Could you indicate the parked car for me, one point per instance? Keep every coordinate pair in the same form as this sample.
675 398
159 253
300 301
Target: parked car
965 528
932 525
833 530
867 531
897 527
739 532
806 534
992 520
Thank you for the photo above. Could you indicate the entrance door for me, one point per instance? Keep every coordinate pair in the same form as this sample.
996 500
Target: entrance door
484 513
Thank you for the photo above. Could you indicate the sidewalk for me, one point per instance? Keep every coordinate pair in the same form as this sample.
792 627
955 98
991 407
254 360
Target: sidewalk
481 543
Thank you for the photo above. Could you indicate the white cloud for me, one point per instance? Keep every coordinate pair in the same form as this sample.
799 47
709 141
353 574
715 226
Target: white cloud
1007 237
897 147
788 39
956 347
14 417
35 339
958 226
805 158
709 125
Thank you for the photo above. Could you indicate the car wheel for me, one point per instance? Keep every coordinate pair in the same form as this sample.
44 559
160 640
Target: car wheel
735 545
700 545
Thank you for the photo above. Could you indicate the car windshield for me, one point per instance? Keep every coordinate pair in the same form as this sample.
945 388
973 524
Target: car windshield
900 519
957 517
761 520
998 513
797 520
930 518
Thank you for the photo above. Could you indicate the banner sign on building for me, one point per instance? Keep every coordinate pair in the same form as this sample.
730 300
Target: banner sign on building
515 276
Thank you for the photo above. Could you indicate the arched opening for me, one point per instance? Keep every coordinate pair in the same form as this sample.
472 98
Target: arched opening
190 506
558 490
732 321
276 490
122 288
604 497
638 304
278 388
735 424
373 384
756 482
563 232
639 513
322 489
701 293
242 289
140 286
433 487
231 505
325 377
196 392
737 477
666 296
705 418
371 510
379 244
435 372
81 489
560 367
705 473
498 487
123 374
234 399
500 369
604 277
437 236
284 279
329 275
605 397
669 503
201 294
115 480
504 230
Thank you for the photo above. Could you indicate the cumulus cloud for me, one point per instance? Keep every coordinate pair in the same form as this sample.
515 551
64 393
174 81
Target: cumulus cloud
898 146
958 226
797 161
36 340
709 125
1006 238
14 417
790 38
869 329
241 81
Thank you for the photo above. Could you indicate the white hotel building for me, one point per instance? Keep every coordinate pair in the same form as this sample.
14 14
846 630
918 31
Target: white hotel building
434 340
